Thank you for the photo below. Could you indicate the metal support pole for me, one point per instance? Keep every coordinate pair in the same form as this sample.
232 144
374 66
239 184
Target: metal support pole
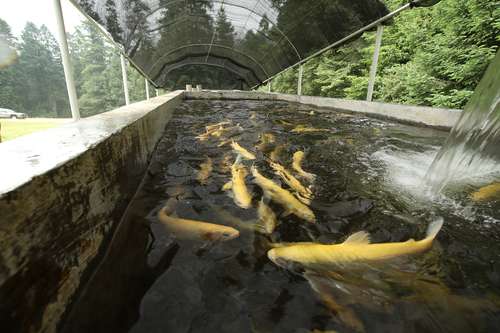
269 86
146 84
157 92
373 69
125 80
299 86
68 69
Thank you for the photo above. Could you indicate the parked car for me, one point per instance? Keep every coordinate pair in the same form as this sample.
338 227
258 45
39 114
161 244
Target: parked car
7 113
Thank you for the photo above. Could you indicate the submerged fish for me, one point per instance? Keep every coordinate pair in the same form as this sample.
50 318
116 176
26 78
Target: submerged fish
345 314
304 193
241 196
267 218
242 151
276 153
356 249
228 218
297 166
487 192
283 197
305 129
210 128
225 163
194 230
267 141
205 171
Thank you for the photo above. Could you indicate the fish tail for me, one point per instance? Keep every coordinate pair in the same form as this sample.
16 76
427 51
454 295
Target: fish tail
433 228
170 206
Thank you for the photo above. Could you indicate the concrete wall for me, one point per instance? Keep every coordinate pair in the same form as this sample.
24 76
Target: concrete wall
62 192
415 115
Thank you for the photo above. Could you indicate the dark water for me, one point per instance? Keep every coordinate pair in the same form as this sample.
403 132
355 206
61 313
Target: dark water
161 284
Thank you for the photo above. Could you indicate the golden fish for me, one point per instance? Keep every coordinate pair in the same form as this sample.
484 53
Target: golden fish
195 230
487 192
266 140
283 197
356 249
225 163
241 196
304 129
305 194
267 218
210 128
297 166
345 314
276 153
228 218
242 151
205 171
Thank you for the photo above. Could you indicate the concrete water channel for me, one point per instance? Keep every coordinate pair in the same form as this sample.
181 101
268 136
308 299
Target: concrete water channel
65 190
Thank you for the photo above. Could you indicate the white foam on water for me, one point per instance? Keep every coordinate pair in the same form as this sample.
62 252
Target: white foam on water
405 175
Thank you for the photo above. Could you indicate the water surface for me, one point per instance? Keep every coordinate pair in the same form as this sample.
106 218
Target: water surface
368 175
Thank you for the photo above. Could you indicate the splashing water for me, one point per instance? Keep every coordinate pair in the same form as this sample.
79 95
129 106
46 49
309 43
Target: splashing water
473 147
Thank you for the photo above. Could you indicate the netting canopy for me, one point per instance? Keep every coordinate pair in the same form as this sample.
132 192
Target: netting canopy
248 40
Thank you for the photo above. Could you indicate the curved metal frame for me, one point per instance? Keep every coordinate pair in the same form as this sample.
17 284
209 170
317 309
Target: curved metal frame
159 73
217 46
207 64
186 16
237 6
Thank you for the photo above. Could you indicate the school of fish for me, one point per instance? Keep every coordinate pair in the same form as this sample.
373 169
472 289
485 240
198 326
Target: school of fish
294 199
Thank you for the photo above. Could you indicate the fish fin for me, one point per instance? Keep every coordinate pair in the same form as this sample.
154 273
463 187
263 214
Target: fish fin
286 213
227 186
238 159
360 237
434 227
266 199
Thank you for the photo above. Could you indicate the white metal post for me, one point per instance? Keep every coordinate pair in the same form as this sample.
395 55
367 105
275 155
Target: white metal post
299 86
68 70
146 84
373 68
125 79
269 86
157 92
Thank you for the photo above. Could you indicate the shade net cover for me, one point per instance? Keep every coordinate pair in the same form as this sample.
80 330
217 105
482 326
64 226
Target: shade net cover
246 41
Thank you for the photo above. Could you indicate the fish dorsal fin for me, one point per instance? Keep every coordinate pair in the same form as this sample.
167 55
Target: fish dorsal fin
360 237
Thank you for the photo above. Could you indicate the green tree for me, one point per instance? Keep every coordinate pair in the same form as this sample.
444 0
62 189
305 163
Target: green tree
10 80
112 24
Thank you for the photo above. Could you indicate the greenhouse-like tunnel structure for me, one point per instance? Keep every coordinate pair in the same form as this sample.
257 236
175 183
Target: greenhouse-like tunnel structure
249 166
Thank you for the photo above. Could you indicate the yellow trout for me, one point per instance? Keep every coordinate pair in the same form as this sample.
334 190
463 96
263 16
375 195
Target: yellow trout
355 249
205 171
267 218
210 128
276 153
345 314
283 197
305 194
195 230
241 196
297 166
242 151
225 163
266 140
304 129
487 192
228 218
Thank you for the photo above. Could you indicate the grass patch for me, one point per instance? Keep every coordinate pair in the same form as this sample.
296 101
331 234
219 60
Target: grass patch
13 128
